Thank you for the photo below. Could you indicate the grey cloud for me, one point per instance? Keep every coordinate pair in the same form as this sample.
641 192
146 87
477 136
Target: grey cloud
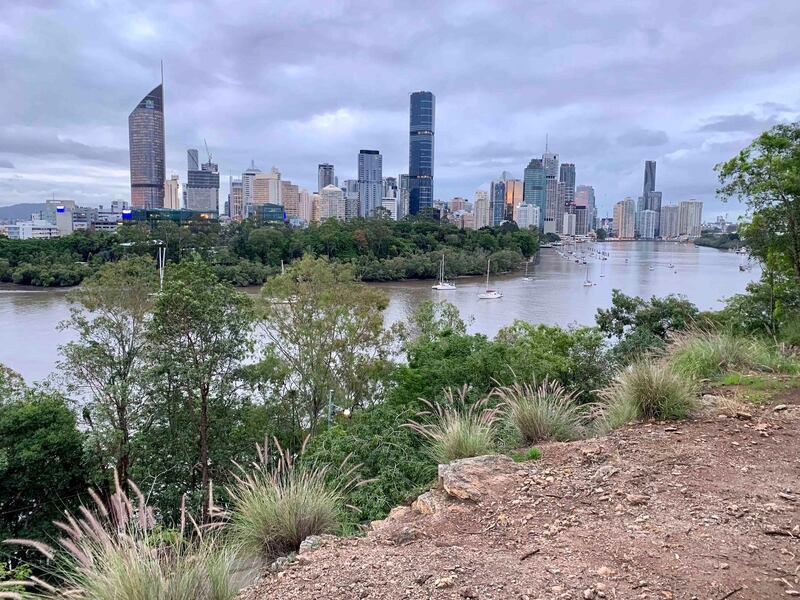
643 137
39 143
738 123
6 164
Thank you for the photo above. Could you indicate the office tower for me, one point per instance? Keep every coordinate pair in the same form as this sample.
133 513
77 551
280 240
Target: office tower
247 185
370 176
497 201
653 202
457 204
581 219
566 176
290 198
403 196
551 204
690 215
513 197
193 160
534 191
325 176
331 203
390 205
568 224
668 226
549 160
350 199
306 208
390 189
527 216
649 178
625 219
267 187
172 193
420 151
235 199
202 185
561 204
482 209
584 196
146 143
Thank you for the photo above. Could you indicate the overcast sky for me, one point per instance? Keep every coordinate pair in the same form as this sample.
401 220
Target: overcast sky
293 84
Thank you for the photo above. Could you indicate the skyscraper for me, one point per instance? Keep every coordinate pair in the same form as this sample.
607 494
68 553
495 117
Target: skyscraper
669 222
625 219
690 215
497 202
551 205
350 189
370 181
290 198
146 143
550 161
325 176
247 185
534 191
202 185
172 193
514 193
331 203
566 176
482 210
420 151
649 178
584 196
235 199
267 187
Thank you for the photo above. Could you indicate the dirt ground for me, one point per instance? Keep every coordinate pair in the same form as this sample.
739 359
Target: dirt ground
706 509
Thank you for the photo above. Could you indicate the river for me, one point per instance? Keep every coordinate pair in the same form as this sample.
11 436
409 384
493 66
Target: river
555 294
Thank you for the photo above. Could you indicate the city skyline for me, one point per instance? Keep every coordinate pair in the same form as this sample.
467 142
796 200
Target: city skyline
634 91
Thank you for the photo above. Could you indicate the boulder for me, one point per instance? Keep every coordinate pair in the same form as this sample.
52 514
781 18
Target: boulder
476 478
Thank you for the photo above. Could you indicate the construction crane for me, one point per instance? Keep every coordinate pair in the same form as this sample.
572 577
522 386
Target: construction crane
207 152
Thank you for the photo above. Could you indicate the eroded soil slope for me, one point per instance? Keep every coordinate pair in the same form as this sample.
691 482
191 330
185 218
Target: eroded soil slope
707 508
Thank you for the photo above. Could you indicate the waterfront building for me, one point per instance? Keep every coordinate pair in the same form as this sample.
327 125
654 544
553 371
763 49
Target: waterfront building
669 222
172 192
482 210
202 185
370 185
267 187
422 120
235 199
534 187
497 201
584 196
581 214
647 224
513 197
690 216
331 203
551 210
325 176
290 198
625 219
147 155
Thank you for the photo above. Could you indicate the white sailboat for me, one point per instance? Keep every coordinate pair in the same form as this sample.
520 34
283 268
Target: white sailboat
489 294
443 285
588 282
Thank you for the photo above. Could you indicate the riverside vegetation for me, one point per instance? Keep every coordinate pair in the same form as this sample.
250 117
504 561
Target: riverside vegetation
175 393
248 253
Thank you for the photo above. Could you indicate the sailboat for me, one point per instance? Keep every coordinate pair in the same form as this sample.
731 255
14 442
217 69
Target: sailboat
489 294
742 266
443 285
526 278
587 283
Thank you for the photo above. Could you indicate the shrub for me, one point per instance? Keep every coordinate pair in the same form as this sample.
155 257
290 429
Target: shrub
278 504
702 355
546 412
116 552
647 390
458 429
529 454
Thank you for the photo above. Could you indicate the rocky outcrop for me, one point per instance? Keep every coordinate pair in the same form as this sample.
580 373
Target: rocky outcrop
475 478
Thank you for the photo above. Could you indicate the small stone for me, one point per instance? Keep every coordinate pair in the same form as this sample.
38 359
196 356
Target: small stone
444 582
743 416
779 408
724 566
588 594
604 572
792 593
637 499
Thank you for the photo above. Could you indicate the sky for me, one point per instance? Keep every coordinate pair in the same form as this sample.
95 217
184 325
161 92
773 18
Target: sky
294 84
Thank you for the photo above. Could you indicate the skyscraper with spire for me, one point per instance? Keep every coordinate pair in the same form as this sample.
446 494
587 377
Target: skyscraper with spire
147 153
549 159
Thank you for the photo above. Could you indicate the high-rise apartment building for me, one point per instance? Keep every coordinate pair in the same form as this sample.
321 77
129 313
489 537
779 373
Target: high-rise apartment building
551 210
534 191
325 176
290 198
669 222
690 216
247 185
370 184
513 197
581 219
422 119
350 199
403 196
267 188
331 203
527 216
147 154
625 219
647 224
584 196
172 193
482 209
235 199
568 224
202 185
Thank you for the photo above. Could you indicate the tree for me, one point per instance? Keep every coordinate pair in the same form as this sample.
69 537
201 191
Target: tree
107 361
601 234
766 174
41 470
324 333
201 330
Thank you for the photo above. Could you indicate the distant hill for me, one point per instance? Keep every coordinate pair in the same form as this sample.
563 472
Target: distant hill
19 211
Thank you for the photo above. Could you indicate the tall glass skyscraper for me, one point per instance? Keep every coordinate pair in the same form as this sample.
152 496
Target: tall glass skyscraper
649 178
146 140
534 191
370 182
420 151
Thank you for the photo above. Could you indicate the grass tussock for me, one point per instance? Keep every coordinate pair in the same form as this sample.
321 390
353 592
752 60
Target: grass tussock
115 552
457 429
546 412
647 390
703 355
279 503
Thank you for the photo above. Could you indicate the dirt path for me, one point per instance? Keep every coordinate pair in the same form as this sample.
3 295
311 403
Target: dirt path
706 509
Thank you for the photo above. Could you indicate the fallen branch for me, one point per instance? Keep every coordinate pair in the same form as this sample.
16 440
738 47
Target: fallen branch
732 592
529 554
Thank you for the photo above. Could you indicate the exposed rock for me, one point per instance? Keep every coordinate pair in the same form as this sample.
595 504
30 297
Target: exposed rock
445 582
474 478
637 499
430 503
779 408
